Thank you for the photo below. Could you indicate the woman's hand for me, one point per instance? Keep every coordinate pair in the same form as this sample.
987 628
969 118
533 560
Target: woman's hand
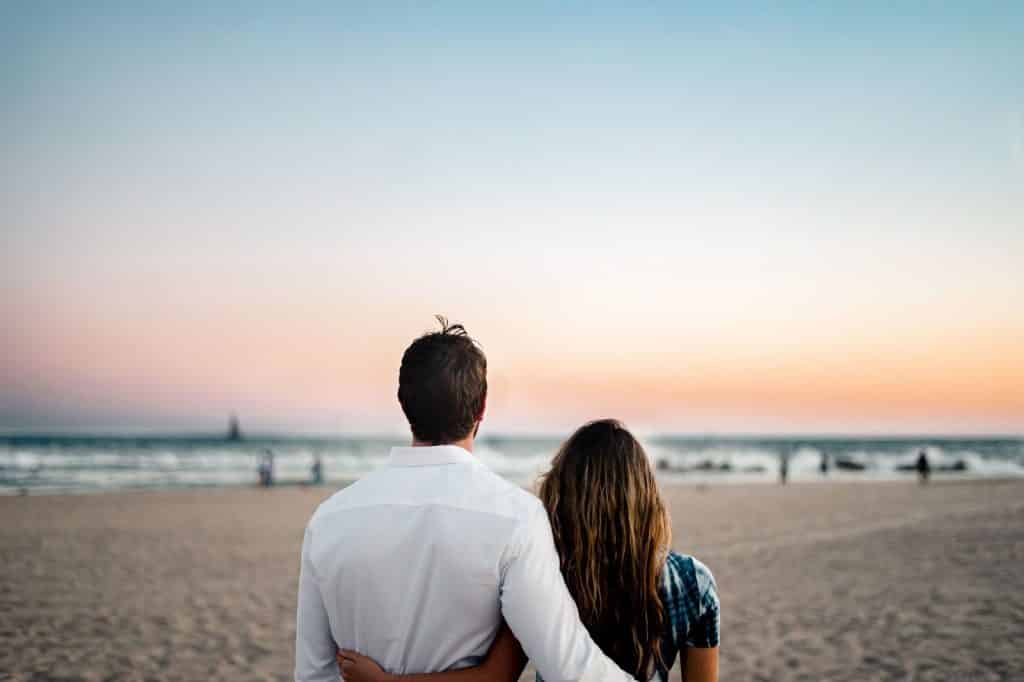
503 663
358 668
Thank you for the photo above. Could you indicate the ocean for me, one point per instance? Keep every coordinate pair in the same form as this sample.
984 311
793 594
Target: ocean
37 464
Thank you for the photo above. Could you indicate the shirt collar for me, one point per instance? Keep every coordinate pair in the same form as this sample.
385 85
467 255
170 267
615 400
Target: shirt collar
432 455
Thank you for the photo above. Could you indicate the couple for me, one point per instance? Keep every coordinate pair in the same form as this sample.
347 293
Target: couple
434 567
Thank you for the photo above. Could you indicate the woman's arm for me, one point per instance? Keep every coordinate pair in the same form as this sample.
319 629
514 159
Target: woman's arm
698 646
701 664
504 663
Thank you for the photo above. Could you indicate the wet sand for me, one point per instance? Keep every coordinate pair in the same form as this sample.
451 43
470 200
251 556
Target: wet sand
852 581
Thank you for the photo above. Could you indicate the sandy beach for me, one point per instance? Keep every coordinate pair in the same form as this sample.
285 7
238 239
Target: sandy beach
866 581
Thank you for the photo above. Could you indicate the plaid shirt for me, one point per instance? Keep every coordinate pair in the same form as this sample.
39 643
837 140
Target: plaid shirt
690 597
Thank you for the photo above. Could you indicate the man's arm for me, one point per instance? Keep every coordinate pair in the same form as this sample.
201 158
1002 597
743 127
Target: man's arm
314 646
542 615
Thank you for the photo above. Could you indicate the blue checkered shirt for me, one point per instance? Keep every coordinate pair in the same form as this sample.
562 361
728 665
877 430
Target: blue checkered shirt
690 597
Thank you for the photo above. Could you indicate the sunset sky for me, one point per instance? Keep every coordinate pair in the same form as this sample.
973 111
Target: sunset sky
698 217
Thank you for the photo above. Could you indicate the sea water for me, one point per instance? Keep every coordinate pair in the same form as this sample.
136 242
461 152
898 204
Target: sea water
67 463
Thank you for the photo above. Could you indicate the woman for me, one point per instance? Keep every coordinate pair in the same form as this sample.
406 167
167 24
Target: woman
643 604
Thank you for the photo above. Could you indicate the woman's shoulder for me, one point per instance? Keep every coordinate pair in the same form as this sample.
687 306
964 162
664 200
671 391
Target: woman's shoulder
690 596
687 573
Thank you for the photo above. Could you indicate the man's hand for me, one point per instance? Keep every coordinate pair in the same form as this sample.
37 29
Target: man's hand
358 668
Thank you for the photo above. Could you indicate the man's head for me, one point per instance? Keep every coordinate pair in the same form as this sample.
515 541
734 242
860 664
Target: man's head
442 385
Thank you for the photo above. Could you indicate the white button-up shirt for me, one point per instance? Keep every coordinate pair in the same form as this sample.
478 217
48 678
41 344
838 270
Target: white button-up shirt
415 565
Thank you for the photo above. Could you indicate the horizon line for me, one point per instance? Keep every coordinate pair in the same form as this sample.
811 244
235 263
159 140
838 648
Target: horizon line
156 434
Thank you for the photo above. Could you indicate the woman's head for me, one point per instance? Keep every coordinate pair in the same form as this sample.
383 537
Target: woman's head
612 533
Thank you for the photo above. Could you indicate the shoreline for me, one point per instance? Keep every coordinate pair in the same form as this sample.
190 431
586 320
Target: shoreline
669 479
68 464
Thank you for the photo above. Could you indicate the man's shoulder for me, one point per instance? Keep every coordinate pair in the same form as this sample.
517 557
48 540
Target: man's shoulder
479 490
350 495
510 498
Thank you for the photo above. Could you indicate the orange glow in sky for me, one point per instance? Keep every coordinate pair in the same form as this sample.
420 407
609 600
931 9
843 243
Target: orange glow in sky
691 219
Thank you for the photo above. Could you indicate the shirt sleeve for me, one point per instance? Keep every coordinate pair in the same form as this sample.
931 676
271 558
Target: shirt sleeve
542 614
315 649
704 632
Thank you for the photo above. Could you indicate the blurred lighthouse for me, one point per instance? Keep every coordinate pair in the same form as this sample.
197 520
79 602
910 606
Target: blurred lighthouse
234 431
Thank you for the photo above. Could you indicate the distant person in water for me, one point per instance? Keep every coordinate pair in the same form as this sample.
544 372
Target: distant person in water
267 469
317 470
823 466
645 605
783 468
924 469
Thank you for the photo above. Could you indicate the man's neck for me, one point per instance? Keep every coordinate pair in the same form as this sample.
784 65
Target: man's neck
466 443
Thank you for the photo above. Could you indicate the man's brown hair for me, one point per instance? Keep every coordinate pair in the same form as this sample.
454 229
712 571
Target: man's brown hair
442 384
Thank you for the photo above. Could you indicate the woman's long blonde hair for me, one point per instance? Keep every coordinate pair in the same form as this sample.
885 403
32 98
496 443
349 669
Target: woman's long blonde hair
612 533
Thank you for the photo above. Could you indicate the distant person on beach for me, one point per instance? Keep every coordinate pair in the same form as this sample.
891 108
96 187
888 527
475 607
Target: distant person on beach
612 533
823 466
783 468
924 468
433 562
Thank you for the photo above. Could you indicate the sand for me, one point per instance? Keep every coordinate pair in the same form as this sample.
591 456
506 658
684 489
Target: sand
853 581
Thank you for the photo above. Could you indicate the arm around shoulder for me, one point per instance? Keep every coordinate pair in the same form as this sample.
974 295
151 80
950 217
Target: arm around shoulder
542 614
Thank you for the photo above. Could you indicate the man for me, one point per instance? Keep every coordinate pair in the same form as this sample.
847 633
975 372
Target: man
416 564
